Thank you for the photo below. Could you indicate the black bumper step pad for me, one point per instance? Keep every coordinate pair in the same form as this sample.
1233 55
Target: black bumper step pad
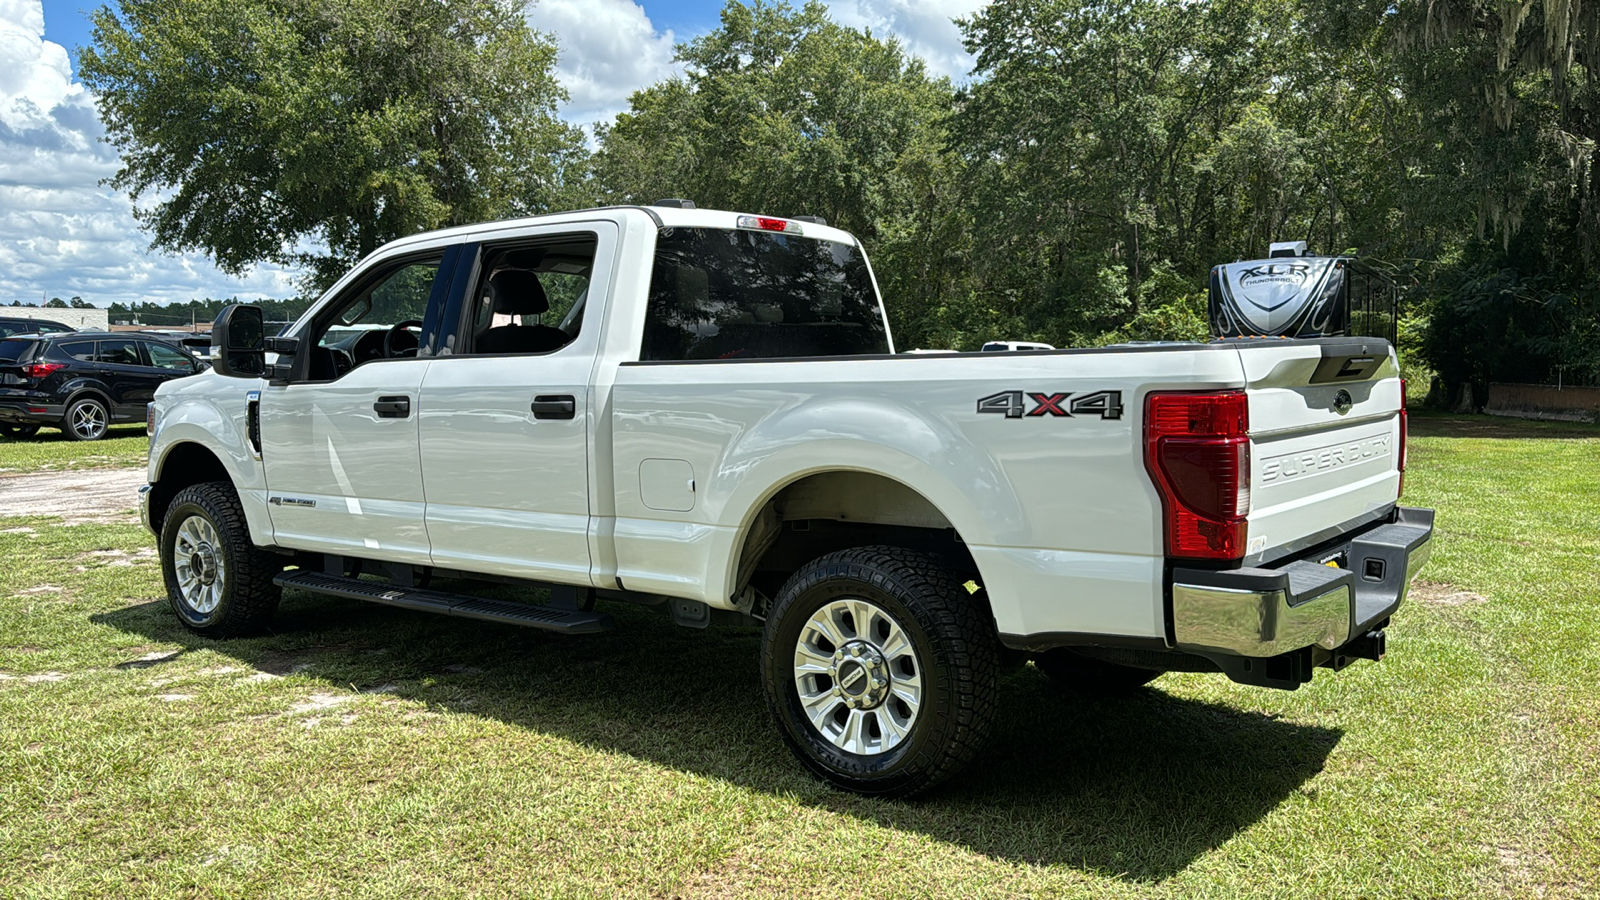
459 605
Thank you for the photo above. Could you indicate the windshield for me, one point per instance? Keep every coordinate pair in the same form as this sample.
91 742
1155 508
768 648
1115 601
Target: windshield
718 294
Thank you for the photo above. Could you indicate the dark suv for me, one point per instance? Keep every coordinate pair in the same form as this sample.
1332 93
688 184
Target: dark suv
10 325
83 382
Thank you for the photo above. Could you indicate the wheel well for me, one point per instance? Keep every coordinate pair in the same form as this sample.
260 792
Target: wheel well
832 511
186 464
90 392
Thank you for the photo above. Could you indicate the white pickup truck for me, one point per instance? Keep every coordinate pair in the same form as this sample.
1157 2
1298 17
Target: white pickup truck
704 411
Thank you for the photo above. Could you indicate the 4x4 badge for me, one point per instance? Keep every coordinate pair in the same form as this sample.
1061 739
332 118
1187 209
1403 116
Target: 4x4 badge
1014 404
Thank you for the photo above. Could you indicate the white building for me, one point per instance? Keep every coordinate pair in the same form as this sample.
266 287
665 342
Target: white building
81 319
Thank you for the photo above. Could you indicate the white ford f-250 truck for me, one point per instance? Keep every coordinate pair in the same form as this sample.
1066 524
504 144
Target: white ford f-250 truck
704 410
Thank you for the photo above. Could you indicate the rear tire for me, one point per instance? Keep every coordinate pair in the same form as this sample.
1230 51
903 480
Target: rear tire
86 420
880 670
1069 670
19 432
218 582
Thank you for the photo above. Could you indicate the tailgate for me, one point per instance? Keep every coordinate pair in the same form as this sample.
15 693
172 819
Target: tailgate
1325 439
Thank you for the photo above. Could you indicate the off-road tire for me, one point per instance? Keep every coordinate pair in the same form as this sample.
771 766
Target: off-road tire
248 597
1080 673
957 650
91 406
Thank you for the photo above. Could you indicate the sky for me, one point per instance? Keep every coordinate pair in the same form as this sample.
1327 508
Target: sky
64 234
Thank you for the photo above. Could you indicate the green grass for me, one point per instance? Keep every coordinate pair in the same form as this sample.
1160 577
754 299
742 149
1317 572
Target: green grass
360 750
52 451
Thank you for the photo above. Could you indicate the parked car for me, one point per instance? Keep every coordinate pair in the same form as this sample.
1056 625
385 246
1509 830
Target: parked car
83 382
10 325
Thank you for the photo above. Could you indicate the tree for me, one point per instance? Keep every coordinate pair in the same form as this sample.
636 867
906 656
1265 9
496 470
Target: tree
57 303
786 112
261 127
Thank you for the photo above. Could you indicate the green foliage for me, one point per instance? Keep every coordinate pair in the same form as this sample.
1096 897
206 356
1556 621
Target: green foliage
785 112
1077 191
254 128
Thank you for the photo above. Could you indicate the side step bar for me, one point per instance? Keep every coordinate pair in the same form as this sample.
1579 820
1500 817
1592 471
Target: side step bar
459 605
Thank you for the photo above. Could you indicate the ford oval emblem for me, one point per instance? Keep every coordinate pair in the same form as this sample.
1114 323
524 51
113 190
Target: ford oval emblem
1342 402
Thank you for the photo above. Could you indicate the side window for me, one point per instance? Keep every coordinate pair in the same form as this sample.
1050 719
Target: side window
379 318
530 297
164 357
120 353
80 350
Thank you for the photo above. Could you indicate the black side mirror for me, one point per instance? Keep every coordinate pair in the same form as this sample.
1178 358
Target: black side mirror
239 338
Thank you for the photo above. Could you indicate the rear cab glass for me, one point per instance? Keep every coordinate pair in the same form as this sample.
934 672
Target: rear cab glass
723 294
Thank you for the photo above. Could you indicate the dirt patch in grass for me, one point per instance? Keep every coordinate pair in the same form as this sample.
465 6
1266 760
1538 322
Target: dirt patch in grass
1432 593
108 496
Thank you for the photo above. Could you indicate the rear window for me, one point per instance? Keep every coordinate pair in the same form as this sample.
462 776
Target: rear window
11 351
717 294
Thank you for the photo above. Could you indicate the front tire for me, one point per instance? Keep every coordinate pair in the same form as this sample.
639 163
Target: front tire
86 420
880 670
218 582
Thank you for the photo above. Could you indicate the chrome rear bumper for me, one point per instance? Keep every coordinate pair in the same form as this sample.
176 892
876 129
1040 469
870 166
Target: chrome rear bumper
1302 603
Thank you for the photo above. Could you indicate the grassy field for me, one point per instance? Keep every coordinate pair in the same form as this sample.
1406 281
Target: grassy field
360 750
52 451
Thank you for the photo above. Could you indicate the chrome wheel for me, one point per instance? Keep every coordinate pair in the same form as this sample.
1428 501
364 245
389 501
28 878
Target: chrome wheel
87 420
858 676
197 561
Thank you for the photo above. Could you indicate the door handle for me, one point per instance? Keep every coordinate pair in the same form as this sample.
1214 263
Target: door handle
392 407
554 406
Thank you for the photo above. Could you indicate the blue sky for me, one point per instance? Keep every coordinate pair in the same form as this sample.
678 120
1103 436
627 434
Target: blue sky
63 234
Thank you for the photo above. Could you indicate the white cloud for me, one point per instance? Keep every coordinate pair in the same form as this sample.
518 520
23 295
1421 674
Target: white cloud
923 26
609 49
62 233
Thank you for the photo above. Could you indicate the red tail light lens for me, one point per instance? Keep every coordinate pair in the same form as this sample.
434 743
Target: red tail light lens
1197 448
40 370
766 223
1405 428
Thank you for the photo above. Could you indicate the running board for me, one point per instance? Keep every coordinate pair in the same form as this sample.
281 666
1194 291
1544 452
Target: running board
459 605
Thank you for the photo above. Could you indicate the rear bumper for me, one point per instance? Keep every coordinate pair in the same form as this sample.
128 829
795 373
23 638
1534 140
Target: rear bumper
1304 603
28 411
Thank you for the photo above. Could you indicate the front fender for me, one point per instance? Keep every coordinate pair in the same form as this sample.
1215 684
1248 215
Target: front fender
211 411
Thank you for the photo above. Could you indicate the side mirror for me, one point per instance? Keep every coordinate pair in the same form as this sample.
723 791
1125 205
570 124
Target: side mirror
238 336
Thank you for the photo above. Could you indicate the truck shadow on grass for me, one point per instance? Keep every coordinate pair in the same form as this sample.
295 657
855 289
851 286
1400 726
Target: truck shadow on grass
1138 785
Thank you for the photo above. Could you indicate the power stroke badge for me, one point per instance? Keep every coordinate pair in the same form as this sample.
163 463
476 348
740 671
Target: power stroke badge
1015 404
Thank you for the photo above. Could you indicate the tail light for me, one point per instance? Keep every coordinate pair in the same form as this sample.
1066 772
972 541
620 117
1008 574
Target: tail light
1405 428
1197 448
765 223
40 370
